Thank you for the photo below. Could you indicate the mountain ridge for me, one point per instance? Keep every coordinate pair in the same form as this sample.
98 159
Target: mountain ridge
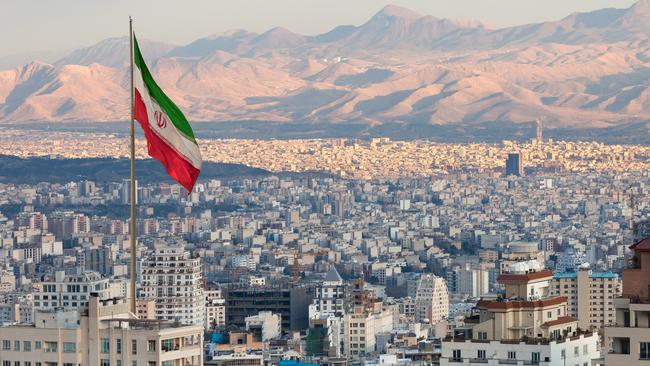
587 70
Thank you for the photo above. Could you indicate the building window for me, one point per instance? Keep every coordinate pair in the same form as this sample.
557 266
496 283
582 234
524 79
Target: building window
585 349
535 358
16 345
456 356
134 363
51 346
167 345
512 355
645 351
6 363
118 346
69 347
481 354
576 351
134 347
6 345
106 345
151 346
27 346
37 344
105 362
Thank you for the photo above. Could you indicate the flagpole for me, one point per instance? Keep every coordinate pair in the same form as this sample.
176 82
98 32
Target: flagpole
132 229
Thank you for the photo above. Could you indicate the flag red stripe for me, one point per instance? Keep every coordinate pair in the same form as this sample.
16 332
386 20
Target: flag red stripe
177 167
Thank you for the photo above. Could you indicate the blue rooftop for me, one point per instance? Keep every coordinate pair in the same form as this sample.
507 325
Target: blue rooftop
295 363
593 275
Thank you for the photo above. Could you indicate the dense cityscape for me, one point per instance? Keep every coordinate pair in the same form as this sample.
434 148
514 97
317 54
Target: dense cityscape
376 158
325 183
409 252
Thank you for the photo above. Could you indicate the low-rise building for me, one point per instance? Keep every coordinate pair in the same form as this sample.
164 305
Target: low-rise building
103 334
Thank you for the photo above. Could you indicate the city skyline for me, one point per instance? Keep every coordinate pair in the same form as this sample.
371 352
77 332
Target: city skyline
405 189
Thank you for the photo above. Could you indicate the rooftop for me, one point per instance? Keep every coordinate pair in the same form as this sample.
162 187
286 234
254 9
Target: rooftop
592 275
524 277
641 246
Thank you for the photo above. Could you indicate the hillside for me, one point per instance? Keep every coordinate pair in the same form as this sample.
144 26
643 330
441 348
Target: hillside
588 70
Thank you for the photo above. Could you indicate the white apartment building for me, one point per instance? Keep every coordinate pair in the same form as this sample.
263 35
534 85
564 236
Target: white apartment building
69 292
104 334
330 296
215 309
431 299
174 280
578 352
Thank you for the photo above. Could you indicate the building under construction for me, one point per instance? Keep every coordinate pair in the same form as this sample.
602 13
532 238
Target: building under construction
291 302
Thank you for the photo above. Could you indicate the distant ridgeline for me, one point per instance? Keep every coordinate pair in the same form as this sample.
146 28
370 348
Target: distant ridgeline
44 169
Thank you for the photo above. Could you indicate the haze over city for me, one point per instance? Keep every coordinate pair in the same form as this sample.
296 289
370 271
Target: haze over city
306 183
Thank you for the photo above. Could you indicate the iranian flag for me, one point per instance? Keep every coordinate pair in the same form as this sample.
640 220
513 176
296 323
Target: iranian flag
170 139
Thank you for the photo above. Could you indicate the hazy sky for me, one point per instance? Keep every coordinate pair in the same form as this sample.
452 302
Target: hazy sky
27 26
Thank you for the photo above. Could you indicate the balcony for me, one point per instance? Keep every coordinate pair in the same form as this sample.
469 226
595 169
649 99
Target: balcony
508 362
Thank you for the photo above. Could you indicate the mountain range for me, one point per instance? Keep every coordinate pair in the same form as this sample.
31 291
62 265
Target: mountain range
588 70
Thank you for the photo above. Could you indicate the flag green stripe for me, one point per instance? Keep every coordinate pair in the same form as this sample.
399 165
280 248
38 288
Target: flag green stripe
172 111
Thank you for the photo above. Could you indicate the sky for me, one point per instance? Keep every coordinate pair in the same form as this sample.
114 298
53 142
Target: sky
49 28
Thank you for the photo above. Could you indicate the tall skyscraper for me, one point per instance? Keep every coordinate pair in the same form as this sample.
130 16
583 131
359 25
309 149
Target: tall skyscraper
125 192
515 165
173 278
537 130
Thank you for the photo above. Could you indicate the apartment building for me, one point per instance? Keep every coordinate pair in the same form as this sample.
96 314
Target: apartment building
103 334
69 291
431 299
215 309
173 279
361 326
524 326
329 297
628 341
590 295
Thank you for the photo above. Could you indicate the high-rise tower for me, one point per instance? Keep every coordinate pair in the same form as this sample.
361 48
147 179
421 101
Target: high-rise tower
515 165
173 279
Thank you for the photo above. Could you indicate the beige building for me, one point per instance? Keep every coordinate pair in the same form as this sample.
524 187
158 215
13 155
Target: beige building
431 299
628 341
103 334
361 326
590 295
145 309
525 326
